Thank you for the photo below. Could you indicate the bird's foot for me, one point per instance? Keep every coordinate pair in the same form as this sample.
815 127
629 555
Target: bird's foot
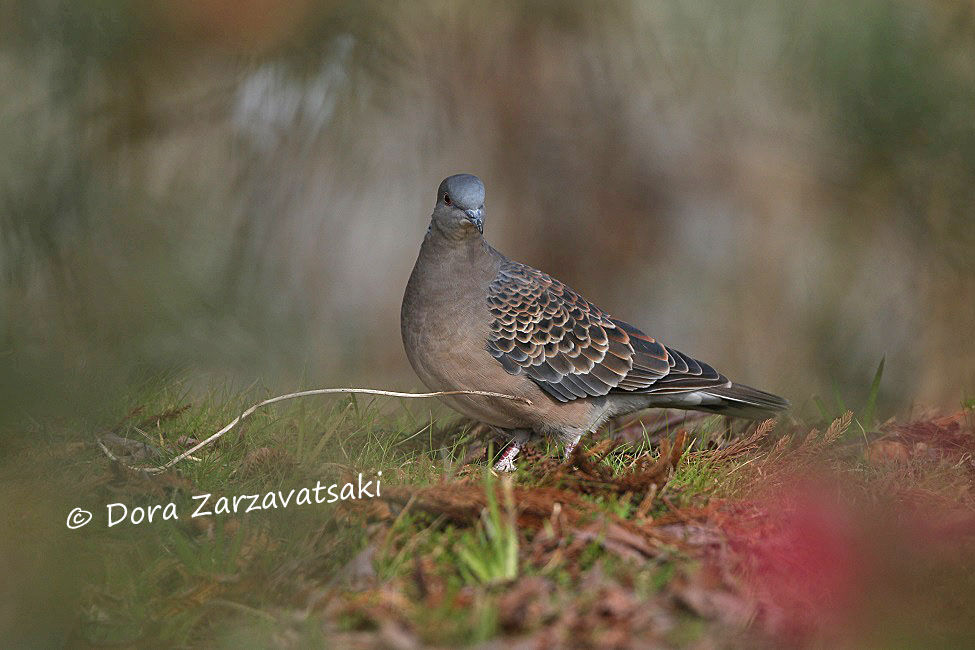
570 446
506 463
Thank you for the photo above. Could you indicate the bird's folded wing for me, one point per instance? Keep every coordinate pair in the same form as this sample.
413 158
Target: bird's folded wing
573 349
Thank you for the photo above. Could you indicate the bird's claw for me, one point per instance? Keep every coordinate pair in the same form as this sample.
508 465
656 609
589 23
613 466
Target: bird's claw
505 465
507 461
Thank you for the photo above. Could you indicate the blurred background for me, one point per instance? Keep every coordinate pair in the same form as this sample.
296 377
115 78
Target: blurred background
236 190
239 189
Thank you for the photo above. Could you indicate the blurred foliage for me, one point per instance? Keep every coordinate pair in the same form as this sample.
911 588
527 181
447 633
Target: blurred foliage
781 188
238 189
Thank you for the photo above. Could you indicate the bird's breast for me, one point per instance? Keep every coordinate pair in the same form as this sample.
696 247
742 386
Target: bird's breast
444 341
445 322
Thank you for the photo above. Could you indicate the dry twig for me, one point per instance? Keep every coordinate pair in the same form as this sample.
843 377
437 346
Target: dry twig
304 393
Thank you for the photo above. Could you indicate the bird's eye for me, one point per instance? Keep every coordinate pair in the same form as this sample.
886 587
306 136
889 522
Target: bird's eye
446 199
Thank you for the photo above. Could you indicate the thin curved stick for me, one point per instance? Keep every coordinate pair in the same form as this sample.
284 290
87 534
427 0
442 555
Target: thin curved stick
304 393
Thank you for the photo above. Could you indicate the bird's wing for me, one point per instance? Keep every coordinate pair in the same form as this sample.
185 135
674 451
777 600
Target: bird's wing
573 349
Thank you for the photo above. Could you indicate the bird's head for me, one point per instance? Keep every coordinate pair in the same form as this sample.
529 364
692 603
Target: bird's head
459 212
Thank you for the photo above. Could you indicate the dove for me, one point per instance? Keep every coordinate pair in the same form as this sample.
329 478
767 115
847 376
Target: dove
472 319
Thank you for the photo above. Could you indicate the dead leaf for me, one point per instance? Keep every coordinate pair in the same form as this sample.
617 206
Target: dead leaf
887 451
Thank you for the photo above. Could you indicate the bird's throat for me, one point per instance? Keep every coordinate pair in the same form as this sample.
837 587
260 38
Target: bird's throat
460 258
463 232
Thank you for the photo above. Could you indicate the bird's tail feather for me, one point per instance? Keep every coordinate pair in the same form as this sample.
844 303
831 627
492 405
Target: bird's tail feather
739 400
736 400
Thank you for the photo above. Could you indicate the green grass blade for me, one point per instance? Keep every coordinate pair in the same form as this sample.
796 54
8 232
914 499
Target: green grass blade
867 422
821 407
840 404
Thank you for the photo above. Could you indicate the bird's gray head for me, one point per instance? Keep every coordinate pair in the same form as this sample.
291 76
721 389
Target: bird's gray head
459 213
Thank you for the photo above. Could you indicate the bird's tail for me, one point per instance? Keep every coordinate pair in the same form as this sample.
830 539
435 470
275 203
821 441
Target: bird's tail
736 400
741 401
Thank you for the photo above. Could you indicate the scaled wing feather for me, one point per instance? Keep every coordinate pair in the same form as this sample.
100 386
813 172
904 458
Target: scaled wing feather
572 349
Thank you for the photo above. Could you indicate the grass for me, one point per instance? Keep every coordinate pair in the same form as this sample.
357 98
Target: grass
865 417
489 554
624 544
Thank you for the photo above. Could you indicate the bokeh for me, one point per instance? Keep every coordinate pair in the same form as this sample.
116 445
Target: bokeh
235 191
783 189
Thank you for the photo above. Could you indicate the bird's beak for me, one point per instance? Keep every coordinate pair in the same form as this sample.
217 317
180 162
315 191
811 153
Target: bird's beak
476 217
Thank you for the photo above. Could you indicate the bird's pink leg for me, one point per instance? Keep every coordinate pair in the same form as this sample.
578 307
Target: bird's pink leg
570 444
506 463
